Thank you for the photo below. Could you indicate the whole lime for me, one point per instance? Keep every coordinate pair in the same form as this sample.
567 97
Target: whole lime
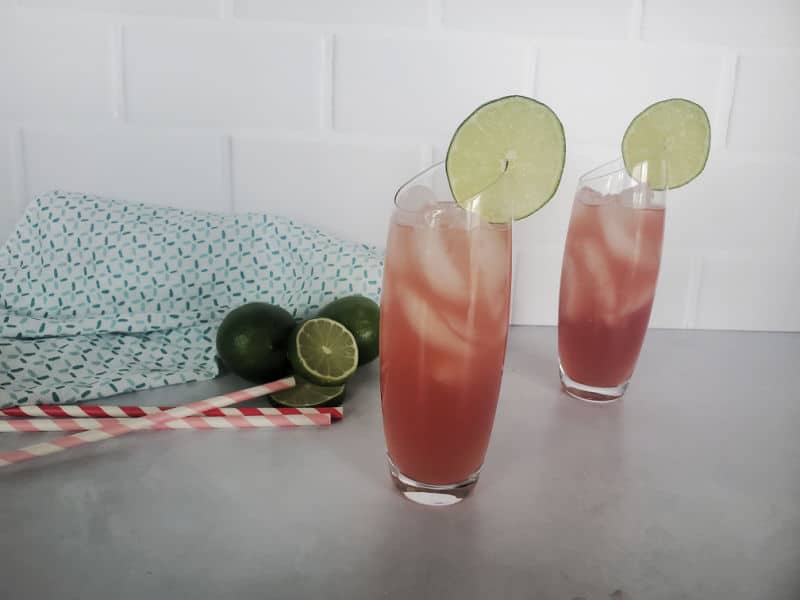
361 316
252 341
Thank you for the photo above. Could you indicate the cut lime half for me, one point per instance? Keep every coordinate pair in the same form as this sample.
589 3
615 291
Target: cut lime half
510 153
307 394
674 134
323 351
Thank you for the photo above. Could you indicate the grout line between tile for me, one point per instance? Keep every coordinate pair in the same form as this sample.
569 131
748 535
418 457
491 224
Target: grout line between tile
435 14
635 23
225 10
725 99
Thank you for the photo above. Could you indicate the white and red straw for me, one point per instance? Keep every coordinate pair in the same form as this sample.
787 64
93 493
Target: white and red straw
102 411
150 421
201 422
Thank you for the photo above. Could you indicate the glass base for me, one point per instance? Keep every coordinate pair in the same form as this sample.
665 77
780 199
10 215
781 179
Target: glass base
591 393
430 494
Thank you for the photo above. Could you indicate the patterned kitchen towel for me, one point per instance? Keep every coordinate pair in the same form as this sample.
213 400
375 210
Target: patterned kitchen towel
100 297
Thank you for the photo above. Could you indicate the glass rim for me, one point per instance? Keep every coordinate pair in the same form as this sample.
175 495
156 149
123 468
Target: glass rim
427 171
610 168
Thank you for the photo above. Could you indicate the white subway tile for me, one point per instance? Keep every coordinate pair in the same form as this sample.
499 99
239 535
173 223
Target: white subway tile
8 202
738 203
758 292
764 114
54 70
171 169
538 277
222 76
670 308
741 23
345 188
597 91
385 12
421 86
582 19
180 8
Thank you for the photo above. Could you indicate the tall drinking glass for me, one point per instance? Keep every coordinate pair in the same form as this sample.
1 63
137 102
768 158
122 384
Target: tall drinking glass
444 324
608 278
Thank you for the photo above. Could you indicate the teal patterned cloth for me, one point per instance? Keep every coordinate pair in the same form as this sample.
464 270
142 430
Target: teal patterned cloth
100 297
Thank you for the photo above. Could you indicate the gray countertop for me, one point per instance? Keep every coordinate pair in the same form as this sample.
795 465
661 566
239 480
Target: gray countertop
688 488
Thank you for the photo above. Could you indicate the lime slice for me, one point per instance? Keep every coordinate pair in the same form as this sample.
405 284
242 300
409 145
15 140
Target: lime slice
307 394
323 351
673 133
511 151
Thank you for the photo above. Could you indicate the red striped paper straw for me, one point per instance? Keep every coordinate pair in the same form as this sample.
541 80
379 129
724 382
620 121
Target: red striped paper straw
145 422
98 411
202 422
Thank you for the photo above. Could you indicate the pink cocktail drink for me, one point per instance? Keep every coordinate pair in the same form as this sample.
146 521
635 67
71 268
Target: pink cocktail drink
444 324
608 282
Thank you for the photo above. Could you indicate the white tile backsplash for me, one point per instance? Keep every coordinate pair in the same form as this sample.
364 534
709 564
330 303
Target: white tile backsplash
173 169
319 110
764 114
210 76
580 19
672 307
385 12
345 188
421 86
180 8
742 291
536 284
770 23
597 91
738 202
55 71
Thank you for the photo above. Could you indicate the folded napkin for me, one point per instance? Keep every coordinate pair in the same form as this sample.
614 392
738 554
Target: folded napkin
99 297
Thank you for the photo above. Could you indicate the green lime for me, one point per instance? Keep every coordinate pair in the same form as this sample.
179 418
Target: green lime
323 351
361 316
252 340
673 133
306 394
511 151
